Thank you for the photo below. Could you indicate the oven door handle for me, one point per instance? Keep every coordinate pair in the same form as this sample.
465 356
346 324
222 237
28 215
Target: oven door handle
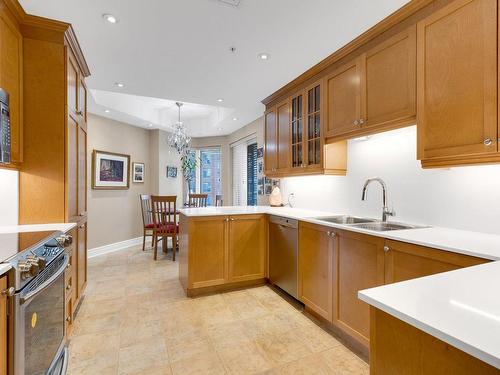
47 282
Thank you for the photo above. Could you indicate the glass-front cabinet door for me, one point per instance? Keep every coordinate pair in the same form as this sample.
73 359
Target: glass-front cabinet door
313 133
297 128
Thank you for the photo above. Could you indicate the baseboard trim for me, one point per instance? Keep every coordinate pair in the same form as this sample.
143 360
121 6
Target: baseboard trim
112 247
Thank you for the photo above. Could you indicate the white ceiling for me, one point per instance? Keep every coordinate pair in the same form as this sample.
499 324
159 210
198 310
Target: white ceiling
179 50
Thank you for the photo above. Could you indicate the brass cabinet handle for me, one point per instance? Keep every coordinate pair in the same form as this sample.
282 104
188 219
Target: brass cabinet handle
488 142
68 287
361 122
387 249
68 319
356 122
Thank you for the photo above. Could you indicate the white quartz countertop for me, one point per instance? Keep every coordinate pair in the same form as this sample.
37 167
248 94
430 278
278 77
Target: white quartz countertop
461 308
477 244
63 227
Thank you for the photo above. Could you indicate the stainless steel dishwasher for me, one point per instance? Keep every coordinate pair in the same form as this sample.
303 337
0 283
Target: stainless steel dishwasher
283 254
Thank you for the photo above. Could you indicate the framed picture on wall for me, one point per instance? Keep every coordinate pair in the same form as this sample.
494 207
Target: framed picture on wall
171 172
110 171
138 171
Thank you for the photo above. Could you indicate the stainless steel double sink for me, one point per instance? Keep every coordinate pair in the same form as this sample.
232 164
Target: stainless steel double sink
367 223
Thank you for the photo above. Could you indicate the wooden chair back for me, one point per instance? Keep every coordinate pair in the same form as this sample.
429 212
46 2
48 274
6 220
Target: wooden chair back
164 212
218 200
198 200
146 209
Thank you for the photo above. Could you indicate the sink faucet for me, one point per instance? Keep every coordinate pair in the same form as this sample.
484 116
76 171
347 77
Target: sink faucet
385 210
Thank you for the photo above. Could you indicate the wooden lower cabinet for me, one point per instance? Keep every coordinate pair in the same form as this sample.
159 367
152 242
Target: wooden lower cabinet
399 348
82 260
404 261
3 326
316 249
222 251
358 264
247 247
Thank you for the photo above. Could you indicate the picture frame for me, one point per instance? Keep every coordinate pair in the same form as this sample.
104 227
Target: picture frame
110 171
138 172
171 172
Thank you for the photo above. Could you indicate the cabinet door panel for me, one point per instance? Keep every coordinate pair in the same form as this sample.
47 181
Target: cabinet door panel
82 172
405 261
207 252
315 269
271 142
82 102
11 79
391 80
457 80
82 259
283 115
359 265
72 97
343 90
247 247
72 170
313 133
3 326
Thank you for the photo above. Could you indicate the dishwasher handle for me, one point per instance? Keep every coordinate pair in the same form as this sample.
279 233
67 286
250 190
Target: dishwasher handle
284 222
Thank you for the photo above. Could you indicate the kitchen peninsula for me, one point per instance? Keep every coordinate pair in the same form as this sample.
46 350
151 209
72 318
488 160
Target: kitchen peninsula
224 248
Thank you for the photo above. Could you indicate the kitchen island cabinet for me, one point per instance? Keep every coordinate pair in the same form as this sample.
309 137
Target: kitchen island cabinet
222 252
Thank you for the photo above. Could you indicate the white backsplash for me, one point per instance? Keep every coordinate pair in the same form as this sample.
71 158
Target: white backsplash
9 197
463 197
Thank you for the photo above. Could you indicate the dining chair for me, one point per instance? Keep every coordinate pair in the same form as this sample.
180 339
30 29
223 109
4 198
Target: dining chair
165 222
147 220
218 200
198 200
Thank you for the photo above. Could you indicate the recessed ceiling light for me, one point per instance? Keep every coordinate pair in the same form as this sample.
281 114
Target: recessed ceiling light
150 125
235 118
106 110
263 56
119 84
220 100
110 18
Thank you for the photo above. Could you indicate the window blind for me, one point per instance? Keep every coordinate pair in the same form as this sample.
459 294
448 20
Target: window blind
239 160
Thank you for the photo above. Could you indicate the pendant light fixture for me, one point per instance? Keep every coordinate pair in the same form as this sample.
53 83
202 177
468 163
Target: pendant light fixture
178 139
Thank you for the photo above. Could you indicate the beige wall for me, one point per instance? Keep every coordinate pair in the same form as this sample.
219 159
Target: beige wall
115 215
255 128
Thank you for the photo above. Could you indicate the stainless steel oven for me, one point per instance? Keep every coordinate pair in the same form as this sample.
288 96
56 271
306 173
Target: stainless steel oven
37 282
39 337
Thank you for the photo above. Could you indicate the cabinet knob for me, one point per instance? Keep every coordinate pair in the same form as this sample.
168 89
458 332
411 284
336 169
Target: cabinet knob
386 248
361 122
488 142
356 122
68 287
9 292
330 234
232 219
79 113
68 319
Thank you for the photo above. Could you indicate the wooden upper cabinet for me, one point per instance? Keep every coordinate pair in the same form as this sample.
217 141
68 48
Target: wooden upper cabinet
313 133
283 129
72 74
297 131
82 172
316 282
11 78
72 212
247 247
270 142
358 264
457 82
343 98
404 261
390 82
82 102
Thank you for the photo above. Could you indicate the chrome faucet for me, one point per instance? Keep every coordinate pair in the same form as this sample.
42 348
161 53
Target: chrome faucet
385 210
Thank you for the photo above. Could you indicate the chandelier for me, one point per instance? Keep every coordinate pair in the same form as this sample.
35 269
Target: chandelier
179 139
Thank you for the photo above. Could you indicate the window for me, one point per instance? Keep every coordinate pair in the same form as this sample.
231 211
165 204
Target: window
244 160
207 177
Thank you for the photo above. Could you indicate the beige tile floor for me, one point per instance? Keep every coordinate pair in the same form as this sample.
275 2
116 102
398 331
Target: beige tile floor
135 319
